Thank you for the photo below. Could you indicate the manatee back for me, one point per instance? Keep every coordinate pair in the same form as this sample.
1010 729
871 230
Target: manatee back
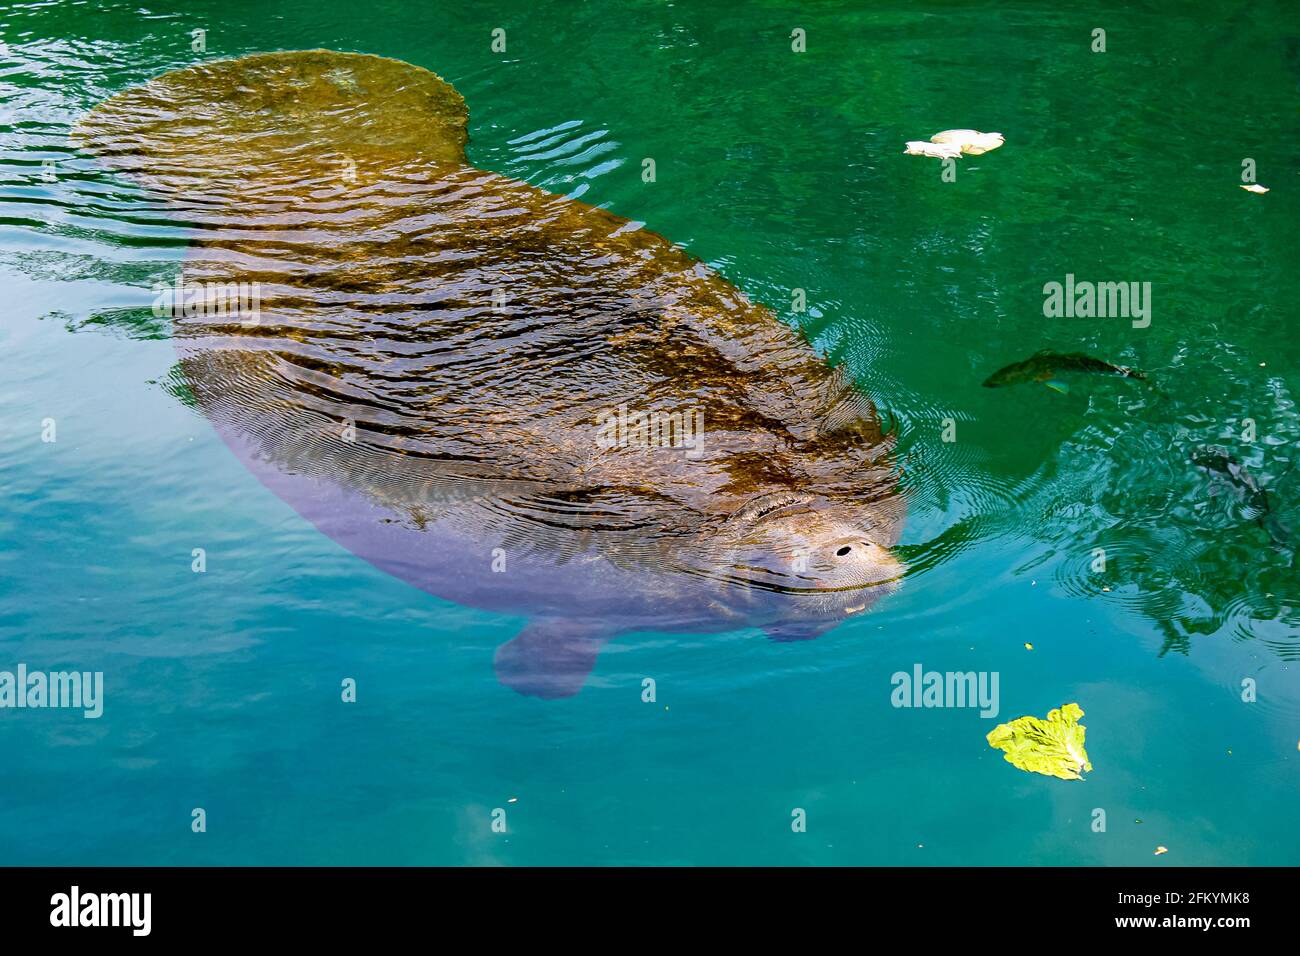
426 331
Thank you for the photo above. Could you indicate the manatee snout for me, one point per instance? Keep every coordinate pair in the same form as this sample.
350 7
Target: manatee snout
823 558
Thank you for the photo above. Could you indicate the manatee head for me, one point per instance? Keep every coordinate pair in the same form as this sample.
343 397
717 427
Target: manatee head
806 562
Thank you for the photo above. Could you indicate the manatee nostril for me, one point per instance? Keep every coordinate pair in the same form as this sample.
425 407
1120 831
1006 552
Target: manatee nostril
843 551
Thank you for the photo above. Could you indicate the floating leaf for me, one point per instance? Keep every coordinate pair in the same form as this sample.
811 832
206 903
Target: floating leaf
1053 746
970 141
916 147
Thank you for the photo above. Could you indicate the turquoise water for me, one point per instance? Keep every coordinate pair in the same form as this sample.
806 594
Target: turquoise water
783 170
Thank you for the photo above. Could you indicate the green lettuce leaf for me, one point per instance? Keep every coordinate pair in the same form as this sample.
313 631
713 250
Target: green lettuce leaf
1053 746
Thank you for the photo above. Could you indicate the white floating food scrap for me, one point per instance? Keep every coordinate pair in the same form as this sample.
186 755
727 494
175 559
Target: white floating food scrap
970 141
1255 188
919 147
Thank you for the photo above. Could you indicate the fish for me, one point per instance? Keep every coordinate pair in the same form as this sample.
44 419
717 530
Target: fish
1255 188
507 398
1218 460
1046 366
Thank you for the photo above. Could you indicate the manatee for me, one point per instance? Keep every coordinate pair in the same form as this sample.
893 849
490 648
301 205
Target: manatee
505 397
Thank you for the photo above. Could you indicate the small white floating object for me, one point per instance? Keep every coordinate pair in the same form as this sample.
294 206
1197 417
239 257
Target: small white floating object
970 141
1255 188
918 147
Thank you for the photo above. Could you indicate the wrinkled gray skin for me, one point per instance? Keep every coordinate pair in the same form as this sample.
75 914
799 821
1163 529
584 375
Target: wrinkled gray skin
450 436
578 604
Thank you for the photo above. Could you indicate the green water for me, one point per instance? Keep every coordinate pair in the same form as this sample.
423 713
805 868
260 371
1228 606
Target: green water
784 170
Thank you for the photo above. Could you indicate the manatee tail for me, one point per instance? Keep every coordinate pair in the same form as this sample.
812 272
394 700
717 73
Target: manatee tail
296 115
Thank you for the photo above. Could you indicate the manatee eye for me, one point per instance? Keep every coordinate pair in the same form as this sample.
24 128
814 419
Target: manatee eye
843 551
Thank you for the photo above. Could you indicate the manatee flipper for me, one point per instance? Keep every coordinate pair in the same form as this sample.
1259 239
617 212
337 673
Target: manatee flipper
175 384
550 658
1057 386
842 406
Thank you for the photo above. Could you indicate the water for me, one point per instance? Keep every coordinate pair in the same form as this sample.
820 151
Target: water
782 171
